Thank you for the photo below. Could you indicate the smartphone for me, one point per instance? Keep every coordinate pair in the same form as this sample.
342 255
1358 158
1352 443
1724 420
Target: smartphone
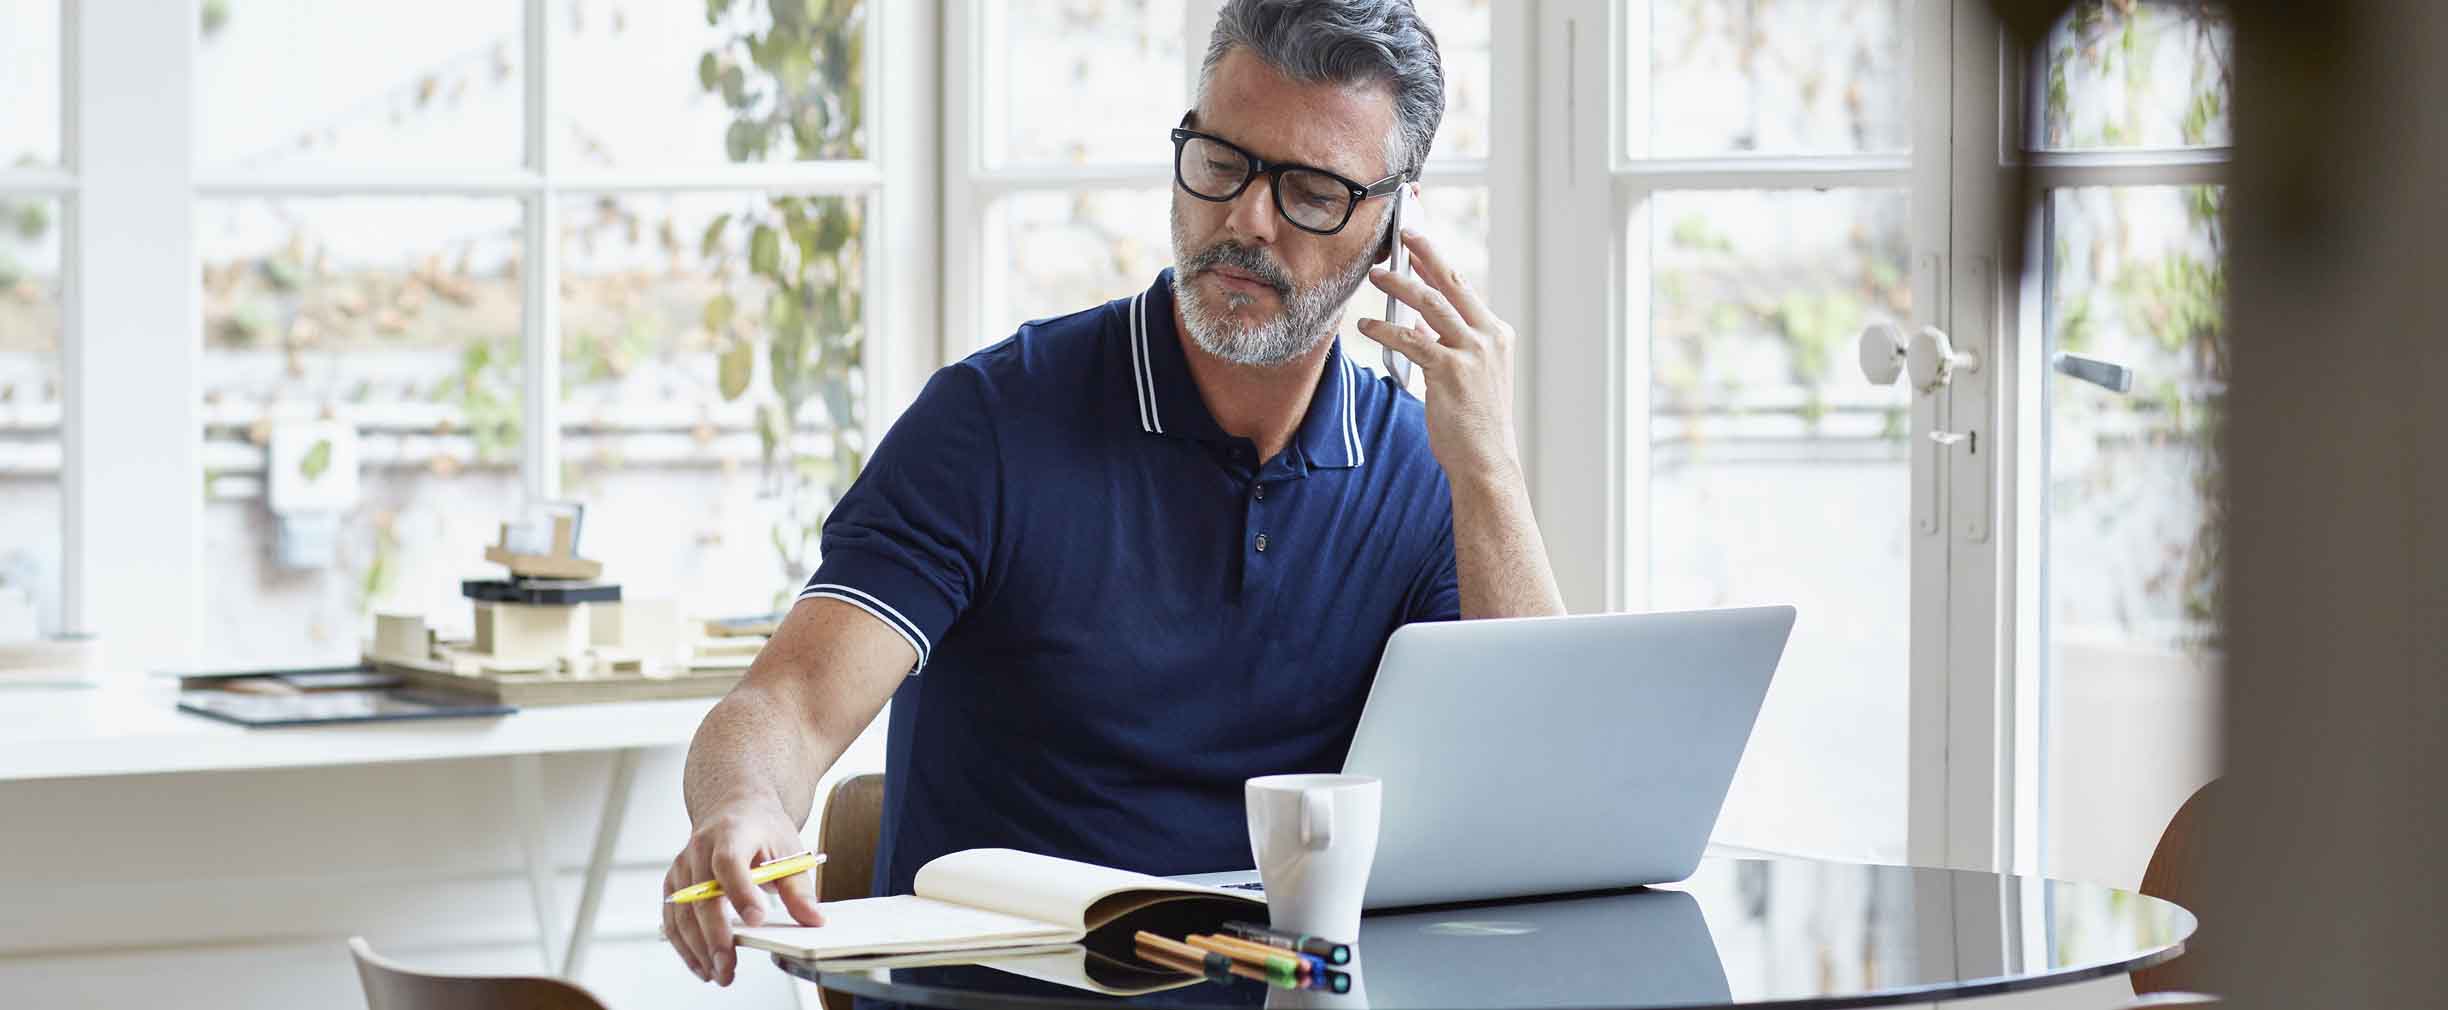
1398 259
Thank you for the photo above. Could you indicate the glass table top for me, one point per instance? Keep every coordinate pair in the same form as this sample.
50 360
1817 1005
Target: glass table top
1739 932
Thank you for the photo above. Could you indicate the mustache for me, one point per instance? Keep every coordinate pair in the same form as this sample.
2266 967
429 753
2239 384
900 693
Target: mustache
1229 253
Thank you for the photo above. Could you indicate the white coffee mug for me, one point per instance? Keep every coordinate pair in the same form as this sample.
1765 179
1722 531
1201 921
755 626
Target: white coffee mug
1314 838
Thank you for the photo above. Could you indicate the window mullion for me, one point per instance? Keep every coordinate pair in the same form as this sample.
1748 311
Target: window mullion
1579 395
964 275
907 322
539 324
131 461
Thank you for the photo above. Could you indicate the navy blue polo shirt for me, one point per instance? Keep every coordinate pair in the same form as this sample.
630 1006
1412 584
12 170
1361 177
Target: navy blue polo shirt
1119 613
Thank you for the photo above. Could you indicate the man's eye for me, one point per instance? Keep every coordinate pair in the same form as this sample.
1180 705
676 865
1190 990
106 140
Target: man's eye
1222 167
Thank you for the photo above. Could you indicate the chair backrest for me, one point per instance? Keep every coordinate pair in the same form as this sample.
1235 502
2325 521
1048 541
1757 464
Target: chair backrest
853 818
2175 874
391 986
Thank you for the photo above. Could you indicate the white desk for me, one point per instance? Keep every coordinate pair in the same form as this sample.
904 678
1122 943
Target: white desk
131 727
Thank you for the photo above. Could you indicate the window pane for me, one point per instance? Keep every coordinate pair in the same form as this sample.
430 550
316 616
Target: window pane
1458 224
391 87
1777 475
657 85
2137 278
673 392
1467 49
1775 76
30 530
30 77
1086 80
398 318
2127 74
1056 253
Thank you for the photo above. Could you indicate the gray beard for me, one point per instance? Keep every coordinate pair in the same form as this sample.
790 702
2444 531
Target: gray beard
1309 314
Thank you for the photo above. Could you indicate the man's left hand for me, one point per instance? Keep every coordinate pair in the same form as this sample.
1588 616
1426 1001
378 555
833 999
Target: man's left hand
1466 352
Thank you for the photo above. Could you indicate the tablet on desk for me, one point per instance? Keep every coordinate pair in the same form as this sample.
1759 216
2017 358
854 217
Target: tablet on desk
314 696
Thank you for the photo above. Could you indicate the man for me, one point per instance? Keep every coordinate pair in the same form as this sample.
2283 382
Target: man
1119 563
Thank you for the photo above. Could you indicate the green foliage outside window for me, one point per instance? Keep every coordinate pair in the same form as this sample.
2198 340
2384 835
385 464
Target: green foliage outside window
795 82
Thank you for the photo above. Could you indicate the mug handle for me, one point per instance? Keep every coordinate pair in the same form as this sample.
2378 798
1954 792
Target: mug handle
1317 819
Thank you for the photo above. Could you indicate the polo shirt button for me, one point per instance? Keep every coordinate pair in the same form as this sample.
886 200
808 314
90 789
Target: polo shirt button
1261 492
1262 543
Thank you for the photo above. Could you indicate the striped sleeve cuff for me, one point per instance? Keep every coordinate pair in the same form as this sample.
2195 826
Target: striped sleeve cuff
913 606
883 612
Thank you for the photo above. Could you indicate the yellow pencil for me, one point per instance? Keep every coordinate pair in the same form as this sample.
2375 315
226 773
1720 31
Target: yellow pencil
763 873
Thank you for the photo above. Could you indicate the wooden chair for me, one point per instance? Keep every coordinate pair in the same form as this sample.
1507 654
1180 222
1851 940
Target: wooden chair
391 986
853 818
2175 874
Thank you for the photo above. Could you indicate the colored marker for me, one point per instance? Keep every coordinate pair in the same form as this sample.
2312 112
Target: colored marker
1279 966
1334 953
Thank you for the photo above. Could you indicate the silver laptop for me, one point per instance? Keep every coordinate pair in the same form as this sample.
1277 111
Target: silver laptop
1553 754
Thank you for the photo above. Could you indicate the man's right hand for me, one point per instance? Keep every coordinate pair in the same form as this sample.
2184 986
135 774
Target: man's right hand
761 753
725 844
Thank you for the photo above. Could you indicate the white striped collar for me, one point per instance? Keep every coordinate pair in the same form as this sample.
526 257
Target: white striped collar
1166 401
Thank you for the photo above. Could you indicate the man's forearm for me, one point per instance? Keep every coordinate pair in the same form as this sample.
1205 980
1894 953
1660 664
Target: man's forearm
754 745
1499 557
827 672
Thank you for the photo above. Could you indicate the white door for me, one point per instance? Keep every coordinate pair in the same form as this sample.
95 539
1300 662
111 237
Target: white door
1727 194
2002 567
2129 139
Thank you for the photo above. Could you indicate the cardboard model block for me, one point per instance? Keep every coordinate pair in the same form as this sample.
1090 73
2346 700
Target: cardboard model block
522 634
401 636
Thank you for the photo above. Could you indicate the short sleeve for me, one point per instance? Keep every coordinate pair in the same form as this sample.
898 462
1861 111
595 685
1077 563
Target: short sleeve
1436 594
908 542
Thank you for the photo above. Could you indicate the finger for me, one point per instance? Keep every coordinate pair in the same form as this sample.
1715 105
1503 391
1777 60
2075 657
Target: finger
1434 310
799 896
687 936
1421 347
1441 274
672 932
742 891
713 932
730 867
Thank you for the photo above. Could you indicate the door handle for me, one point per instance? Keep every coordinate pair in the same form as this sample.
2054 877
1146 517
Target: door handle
2107 375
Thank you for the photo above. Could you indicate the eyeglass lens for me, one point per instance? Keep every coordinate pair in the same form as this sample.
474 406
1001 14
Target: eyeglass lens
1309 199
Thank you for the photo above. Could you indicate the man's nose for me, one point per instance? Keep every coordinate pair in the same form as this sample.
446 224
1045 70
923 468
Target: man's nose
1253 212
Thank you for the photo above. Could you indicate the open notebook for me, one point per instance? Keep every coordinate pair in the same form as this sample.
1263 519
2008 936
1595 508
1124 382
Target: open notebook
985 899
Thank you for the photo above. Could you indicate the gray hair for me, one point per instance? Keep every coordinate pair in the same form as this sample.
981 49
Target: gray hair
1345 42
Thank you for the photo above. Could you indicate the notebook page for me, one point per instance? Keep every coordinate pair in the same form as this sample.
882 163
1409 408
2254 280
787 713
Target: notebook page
1044 888
901 923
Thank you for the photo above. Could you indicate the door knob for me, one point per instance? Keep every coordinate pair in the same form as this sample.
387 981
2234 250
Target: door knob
1928 356
1933 360
1882 353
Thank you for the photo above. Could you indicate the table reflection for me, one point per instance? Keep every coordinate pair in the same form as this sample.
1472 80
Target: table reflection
1739 932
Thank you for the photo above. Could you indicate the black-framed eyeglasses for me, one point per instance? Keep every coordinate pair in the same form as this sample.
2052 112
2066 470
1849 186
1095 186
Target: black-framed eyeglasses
1313 199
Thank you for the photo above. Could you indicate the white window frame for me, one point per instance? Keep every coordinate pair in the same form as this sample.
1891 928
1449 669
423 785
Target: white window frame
133 492
60 184
1974 724
1591 390
1987 57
